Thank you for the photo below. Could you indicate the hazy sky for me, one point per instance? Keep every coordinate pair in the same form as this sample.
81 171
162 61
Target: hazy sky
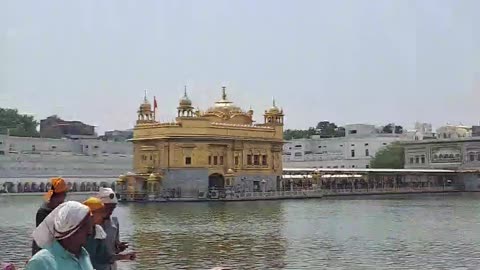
359 61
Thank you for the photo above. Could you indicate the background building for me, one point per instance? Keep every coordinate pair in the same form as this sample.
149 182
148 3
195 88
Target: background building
355 150
456 154
454 132
117 135
24 157
55 127
443 154
422 131
475 131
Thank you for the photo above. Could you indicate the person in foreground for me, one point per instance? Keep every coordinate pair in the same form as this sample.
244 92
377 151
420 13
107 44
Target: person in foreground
54 197
111 226
94 246
7 266
62 236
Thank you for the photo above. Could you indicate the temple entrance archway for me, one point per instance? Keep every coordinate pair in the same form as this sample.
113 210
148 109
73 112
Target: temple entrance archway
42 187
216 180
8 187
75 187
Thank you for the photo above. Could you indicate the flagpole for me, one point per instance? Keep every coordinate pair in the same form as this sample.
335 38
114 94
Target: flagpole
154 107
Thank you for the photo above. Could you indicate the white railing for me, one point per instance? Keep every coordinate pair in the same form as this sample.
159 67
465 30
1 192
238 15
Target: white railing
388 190
271 195
274 194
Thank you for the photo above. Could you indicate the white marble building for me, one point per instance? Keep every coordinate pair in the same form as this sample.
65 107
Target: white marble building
29 162
355 150
453 154
454 132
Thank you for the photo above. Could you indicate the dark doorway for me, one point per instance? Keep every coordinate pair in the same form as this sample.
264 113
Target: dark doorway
256 186
216 180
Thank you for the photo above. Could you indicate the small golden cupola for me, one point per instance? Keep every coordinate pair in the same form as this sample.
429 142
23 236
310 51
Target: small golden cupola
274 115
145 113
250 113
185 108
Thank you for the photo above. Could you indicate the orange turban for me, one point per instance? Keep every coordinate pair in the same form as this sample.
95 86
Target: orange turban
94 204
58 186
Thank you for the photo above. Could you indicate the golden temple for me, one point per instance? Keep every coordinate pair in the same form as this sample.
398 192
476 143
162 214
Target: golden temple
219 149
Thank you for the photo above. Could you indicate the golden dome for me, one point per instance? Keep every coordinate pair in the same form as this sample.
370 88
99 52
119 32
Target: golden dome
224 105
274 109
185 102
145 106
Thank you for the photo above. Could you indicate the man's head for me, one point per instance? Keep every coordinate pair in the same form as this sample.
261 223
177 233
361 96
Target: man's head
72 224
57 193
109 199
57 199
97 208
78 239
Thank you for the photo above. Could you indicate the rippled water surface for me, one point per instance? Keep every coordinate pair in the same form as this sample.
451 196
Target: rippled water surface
427 232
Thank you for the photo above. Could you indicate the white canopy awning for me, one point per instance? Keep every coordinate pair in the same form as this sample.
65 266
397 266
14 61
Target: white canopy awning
296 176
341 176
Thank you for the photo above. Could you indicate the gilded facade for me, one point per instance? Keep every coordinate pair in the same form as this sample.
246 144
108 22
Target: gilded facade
219 148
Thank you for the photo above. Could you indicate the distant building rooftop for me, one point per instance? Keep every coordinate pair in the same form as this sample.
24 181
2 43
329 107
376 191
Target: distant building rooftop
476 131
55 127
429 141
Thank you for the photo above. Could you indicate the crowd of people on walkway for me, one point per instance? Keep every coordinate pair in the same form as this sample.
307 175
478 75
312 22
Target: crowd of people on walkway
76 236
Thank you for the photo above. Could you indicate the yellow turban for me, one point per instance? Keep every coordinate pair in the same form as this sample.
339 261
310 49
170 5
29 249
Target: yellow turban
94 204
58 186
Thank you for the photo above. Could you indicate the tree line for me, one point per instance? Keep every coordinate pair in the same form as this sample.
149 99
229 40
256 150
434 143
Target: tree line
16 124
327 129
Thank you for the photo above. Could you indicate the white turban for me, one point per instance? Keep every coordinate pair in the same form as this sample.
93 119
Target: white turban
107 195
61 223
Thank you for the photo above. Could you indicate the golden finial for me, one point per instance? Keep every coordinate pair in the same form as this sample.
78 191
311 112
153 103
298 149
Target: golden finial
185 92
224 93
273 101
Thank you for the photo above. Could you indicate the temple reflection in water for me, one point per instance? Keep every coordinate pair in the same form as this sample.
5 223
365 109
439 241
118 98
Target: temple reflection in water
204 235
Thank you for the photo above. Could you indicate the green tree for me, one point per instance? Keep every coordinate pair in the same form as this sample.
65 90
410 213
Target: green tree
17 124
390 127
329 130
340 132
290 134
390 157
